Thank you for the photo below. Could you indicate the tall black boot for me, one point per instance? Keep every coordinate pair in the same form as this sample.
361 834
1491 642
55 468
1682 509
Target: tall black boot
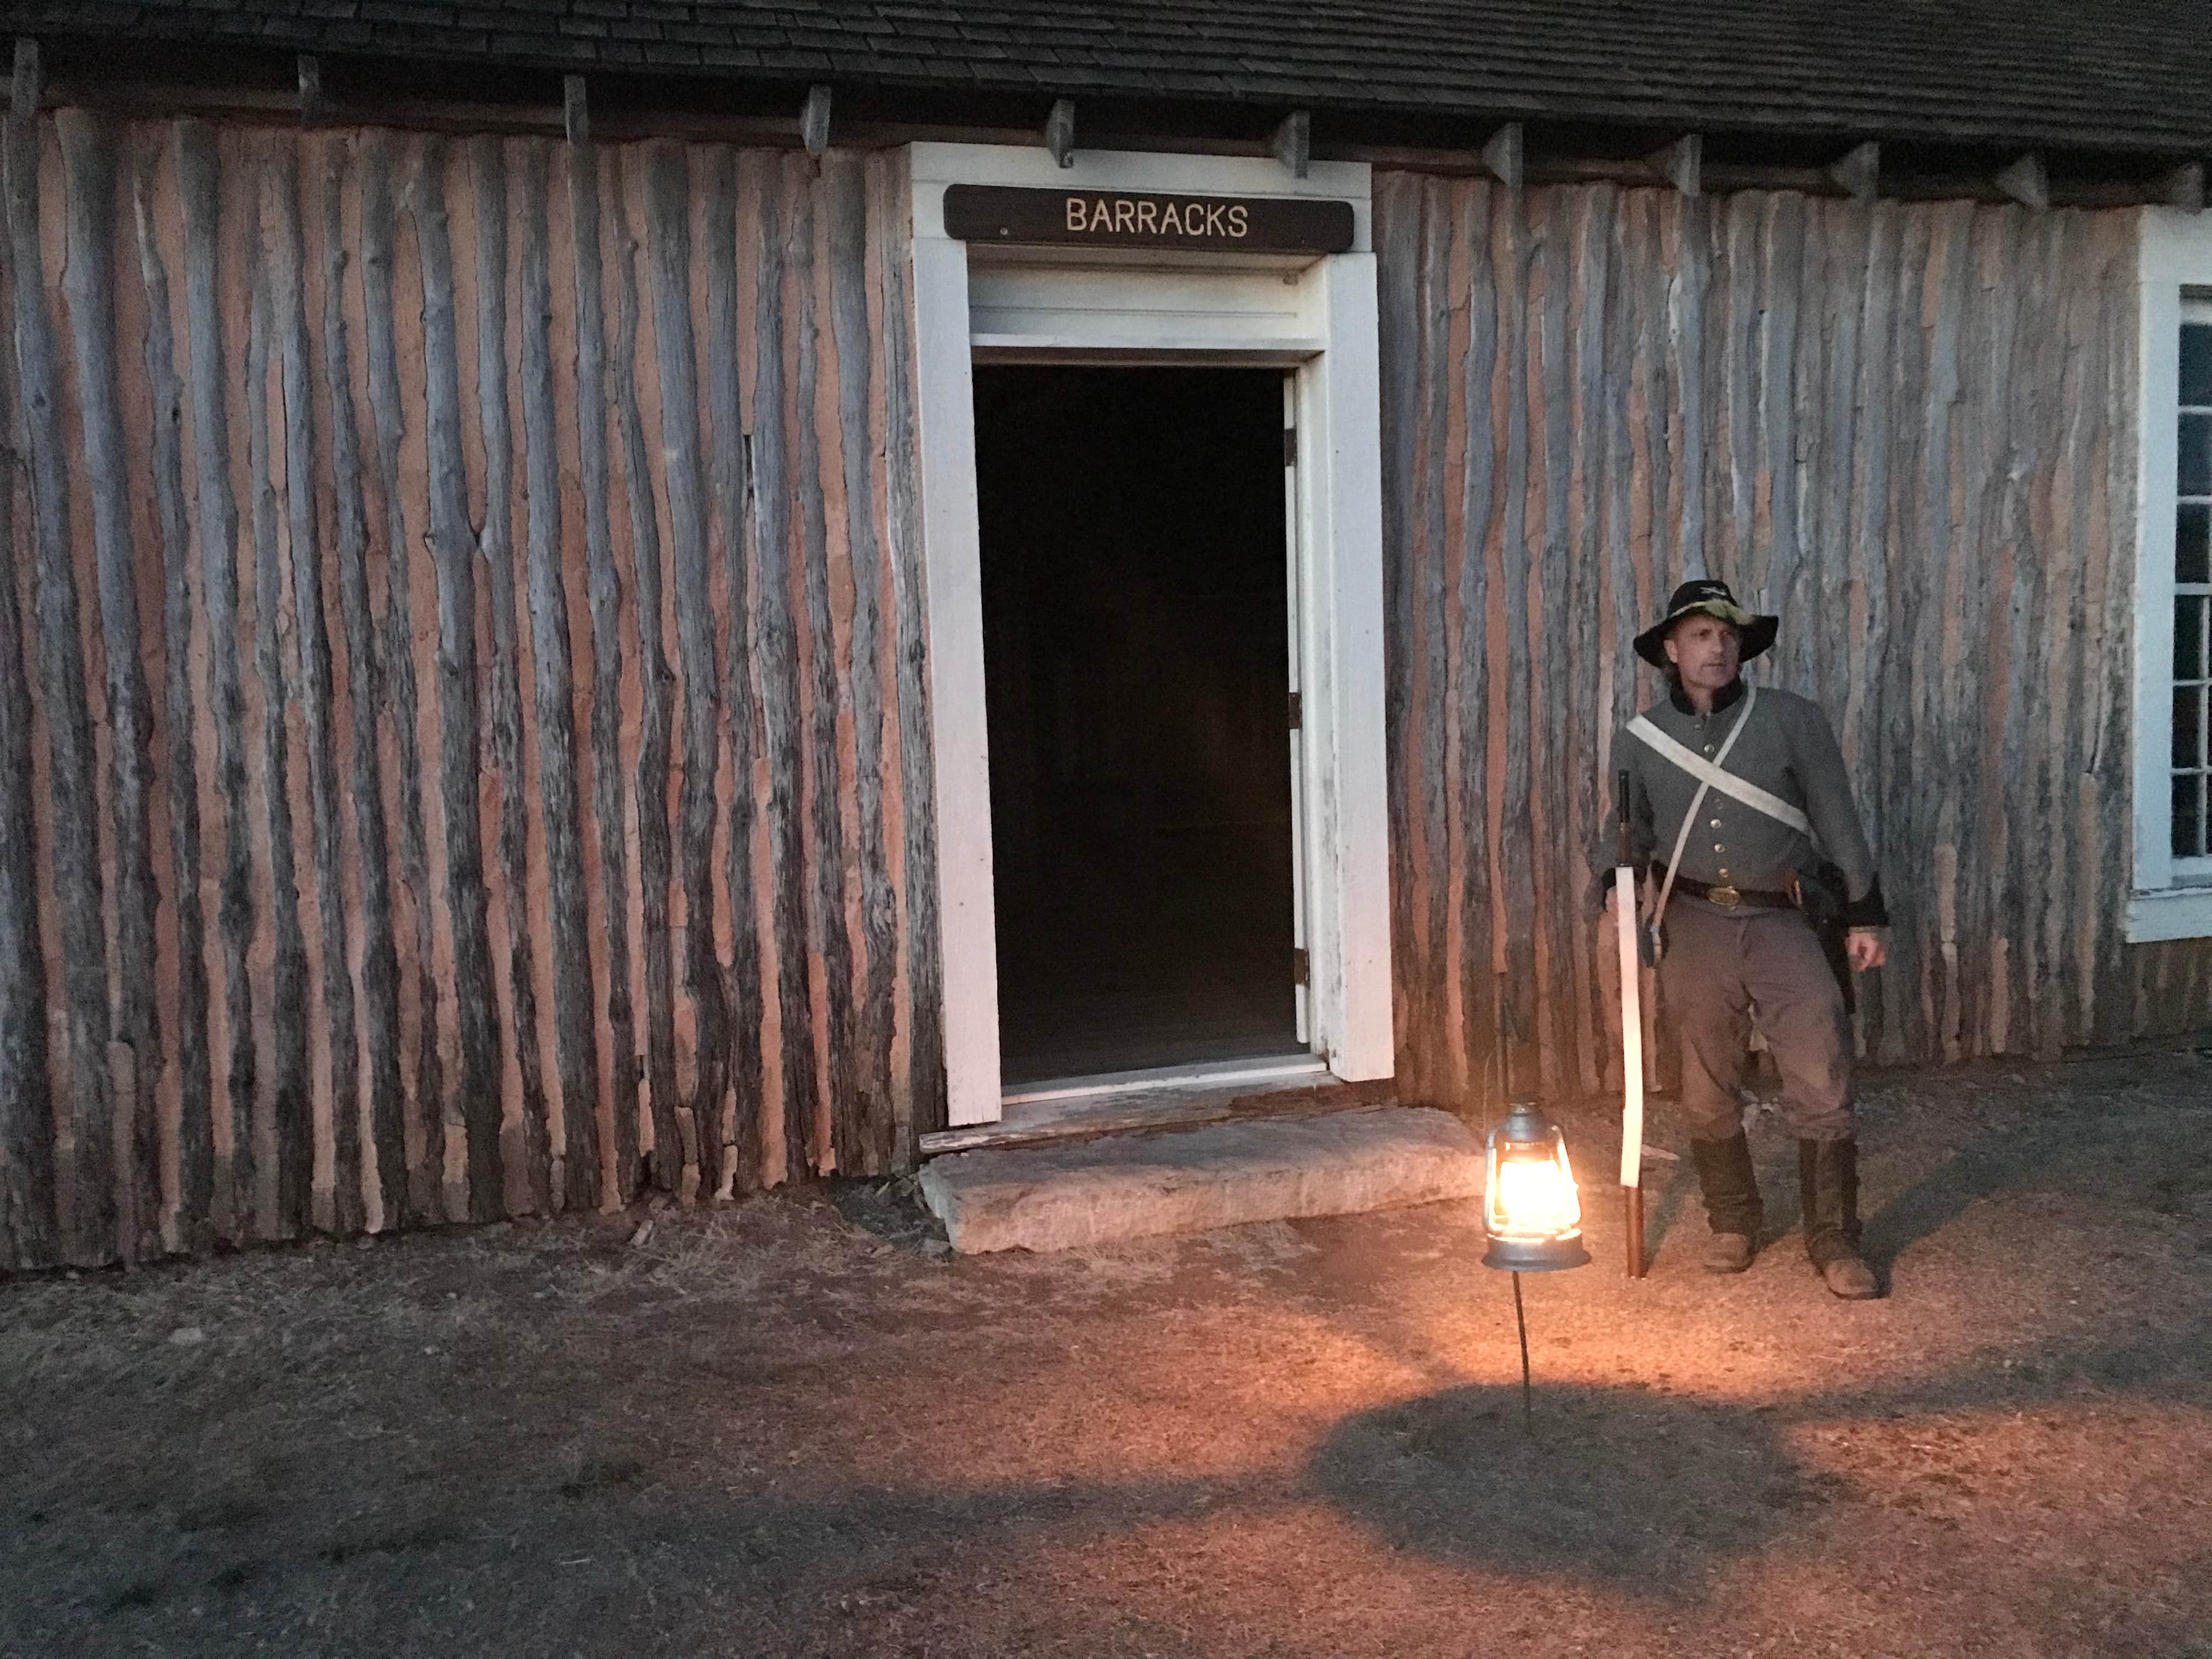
1730 1187
1829 1179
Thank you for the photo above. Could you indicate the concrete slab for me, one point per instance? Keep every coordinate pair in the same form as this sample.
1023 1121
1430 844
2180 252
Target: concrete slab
1099 1192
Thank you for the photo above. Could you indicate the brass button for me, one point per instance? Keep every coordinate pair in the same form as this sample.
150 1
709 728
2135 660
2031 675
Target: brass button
1723 875
1717 847
1717 824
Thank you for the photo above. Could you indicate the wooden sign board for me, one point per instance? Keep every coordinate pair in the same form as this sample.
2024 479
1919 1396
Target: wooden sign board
1119 218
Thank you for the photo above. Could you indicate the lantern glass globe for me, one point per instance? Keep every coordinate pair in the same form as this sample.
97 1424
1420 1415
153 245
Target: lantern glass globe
1530 1209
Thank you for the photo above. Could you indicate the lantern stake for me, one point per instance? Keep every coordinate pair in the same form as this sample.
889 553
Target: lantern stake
1521 1319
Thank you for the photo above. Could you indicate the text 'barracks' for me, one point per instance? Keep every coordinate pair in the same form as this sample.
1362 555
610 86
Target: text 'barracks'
1124 216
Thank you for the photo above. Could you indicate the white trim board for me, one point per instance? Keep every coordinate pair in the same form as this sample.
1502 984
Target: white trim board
2171 898
1317 316
1210 1075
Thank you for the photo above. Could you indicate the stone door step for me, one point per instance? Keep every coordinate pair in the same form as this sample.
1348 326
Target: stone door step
1121 1186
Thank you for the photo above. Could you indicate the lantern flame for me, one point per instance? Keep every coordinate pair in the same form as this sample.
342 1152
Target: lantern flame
1534 1198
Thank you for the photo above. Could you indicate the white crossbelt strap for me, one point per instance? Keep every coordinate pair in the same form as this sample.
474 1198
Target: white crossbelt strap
1710 773
1698 767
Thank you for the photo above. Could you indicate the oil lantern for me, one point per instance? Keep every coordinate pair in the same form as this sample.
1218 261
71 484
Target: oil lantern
1530 1212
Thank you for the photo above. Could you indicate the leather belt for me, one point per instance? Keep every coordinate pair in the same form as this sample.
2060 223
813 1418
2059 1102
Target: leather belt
1731 897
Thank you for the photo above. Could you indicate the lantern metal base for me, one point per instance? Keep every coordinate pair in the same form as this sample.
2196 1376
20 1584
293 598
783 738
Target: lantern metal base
1536 1255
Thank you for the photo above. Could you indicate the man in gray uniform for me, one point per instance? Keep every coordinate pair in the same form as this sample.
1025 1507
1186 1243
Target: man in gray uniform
1741 793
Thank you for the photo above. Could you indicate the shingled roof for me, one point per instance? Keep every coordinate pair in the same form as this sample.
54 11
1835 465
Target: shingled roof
2110 76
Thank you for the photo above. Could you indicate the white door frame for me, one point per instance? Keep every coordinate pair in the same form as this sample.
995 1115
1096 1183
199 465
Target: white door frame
1317 315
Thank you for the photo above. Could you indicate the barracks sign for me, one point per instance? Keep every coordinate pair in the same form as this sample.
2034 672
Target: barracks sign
1262 224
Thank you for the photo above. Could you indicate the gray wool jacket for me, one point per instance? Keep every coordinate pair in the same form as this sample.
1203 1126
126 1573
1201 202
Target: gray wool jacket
1789 750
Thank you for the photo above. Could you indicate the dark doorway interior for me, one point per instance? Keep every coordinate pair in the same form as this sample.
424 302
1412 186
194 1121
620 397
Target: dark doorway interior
1135 621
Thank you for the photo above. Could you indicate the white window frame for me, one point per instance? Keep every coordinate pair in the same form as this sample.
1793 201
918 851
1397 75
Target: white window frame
2172 897
1331 343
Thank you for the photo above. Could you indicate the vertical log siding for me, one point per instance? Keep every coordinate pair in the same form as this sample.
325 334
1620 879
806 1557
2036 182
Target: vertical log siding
1909 429
463 742
460 686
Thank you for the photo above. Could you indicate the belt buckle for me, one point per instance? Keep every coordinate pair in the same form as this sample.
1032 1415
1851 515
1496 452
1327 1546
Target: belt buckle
1725 896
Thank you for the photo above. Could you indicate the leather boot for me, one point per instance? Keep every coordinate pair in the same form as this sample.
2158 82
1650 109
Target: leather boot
1829 1179
1730 1188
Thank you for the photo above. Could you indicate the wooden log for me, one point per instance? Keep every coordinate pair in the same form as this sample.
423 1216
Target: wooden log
89 288
1480 493
729 481
195 1133
668 195
1869 527
1552 666
875 1132
29 1227
654 854
73 802
1428 644
379 1024
553 680
1509 681
618 1067
453 553
773 487
400 687
1397 227
494 545
1586 790
288 1096
828 945
926 1046
199 181
311 642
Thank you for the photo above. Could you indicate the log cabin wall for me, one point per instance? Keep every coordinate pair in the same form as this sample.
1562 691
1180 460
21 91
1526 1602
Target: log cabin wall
1909 429
462 730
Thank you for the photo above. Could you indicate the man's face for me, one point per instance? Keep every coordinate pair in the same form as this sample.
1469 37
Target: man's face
1705 651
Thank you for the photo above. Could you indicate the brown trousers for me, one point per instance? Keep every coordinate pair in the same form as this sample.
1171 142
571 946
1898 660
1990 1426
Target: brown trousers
1726 972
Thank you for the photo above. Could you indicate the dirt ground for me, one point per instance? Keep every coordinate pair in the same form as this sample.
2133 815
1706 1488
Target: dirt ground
798 1427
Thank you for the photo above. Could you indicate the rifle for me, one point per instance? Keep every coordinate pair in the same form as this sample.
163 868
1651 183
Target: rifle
1632 1031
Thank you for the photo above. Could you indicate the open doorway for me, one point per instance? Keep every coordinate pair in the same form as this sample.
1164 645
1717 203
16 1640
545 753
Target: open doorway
1136 624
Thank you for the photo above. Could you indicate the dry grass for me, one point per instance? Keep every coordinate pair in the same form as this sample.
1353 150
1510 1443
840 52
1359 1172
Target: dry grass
794 1427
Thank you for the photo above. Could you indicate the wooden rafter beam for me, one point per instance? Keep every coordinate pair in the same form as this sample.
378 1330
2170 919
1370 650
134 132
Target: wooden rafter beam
2183 187
1060 132
814 121
314 108
1859 173
1505 154
1681 163
2026 182
1293 142
27 84
575 110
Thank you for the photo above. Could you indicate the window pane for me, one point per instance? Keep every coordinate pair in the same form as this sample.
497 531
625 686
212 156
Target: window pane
2192 542
2196 363
2189 817
2189 726
2188 611
2193 470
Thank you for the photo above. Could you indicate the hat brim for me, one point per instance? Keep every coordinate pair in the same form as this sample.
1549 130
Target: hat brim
1758 632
